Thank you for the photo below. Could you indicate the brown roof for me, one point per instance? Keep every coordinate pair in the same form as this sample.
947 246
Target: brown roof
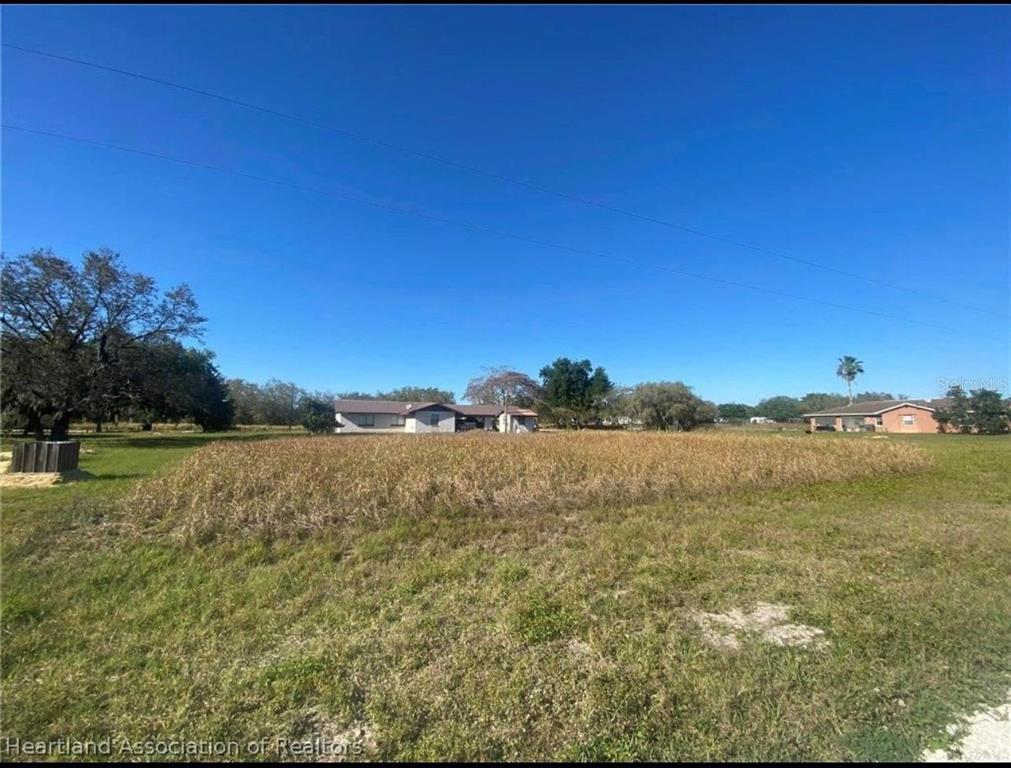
491 410
514 411
479 410
871 408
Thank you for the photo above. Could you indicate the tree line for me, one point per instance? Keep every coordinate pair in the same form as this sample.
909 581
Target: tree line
100 343
284 403
567 393
982 411
575 393
103 344
787 408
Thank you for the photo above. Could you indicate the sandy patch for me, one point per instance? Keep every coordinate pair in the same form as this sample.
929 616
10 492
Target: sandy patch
29 479
985 737
332 743
579 648
768 621
355 742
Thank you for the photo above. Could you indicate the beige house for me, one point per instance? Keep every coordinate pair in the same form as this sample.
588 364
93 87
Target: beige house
910 416
395 417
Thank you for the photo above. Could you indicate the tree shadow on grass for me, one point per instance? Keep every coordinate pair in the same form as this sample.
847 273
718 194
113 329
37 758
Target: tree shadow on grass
79 476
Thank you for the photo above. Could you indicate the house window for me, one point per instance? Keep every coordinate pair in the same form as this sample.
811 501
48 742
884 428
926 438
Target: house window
433 419
367 420
398 420
879 420
908 420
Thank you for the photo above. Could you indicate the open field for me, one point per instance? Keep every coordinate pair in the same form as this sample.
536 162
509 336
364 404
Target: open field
505 630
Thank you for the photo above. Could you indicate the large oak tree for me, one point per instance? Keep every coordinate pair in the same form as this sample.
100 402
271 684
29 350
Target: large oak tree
68 329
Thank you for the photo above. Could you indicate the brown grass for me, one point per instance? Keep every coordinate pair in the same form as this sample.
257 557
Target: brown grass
306 484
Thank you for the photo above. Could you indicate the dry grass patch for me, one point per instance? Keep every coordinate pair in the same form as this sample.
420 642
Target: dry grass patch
40 479
311 484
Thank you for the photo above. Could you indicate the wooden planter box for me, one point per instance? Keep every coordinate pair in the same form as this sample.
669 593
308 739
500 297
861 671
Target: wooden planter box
45 457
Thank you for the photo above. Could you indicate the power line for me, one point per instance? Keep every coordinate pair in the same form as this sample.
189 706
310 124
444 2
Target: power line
411 212
493 175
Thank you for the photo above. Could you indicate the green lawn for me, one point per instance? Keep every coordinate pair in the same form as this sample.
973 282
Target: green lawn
558 636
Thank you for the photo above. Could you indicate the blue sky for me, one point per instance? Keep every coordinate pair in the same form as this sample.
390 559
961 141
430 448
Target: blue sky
871 139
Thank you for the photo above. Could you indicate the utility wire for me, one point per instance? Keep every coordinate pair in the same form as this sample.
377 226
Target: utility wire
412 212
492 175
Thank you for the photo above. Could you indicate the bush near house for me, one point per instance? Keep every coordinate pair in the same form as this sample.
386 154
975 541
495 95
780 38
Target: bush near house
317 416
982 411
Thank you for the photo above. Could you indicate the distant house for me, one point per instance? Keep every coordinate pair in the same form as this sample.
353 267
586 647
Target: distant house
761 420
394 416
879 416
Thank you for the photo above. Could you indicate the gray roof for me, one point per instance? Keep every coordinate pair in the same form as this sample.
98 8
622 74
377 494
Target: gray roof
403 408
872 408
376 406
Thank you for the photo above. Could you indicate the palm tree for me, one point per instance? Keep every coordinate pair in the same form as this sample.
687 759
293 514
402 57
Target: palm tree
849 368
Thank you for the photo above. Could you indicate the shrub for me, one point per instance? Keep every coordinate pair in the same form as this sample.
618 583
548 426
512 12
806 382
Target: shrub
317 416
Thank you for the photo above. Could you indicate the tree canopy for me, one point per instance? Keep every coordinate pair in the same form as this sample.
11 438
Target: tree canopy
317 416
499 385
166 382
574 392
70 334
668 405
779 408
418 395
274 402
861 397
733 411
820 401
981 410
404 394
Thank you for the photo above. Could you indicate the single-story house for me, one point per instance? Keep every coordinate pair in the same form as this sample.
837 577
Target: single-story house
394 416
878 416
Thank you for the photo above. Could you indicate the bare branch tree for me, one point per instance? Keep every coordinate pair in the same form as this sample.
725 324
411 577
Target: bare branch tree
500 384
